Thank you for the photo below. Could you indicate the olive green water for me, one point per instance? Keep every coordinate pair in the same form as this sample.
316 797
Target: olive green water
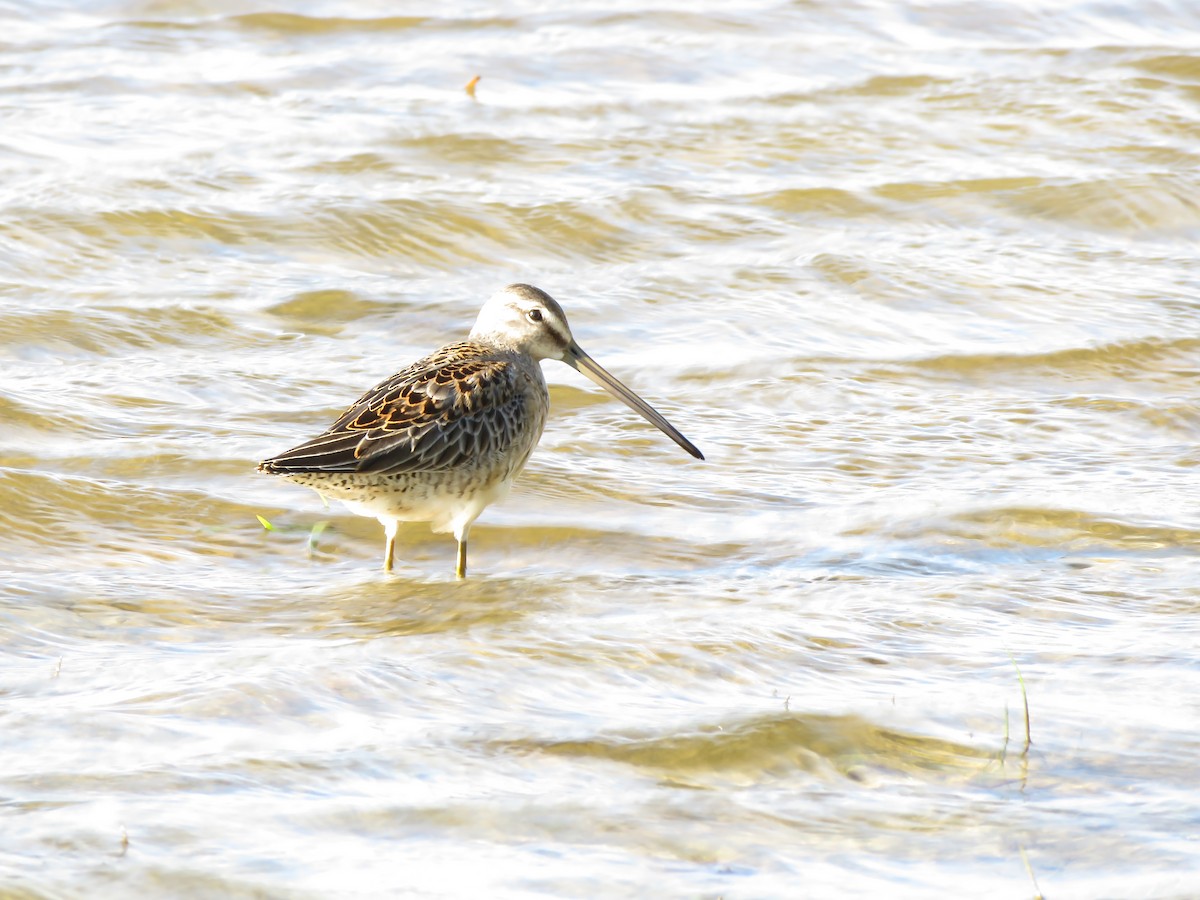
921 279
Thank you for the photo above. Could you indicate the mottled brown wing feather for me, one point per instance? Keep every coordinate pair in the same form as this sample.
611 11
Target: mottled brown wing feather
461 403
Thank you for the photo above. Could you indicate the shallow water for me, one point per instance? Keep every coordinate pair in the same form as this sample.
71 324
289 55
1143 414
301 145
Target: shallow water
919 278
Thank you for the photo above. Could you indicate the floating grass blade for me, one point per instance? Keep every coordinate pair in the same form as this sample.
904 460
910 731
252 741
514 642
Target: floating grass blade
1037 891
264 523
1024 699
317 530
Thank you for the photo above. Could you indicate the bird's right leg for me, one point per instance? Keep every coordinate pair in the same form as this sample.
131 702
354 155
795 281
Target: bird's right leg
389 550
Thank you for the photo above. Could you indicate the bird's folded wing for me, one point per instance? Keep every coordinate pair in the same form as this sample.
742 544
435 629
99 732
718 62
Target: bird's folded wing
451 408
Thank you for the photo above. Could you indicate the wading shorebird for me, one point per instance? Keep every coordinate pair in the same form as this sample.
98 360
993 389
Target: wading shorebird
440 440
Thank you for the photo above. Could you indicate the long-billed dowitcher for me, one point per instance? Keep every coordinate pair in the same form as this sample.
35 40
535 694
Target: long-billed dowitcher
443 438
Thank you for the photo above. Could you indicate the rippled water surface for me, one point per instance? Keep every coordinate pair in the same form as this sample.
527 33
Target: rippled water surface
920 278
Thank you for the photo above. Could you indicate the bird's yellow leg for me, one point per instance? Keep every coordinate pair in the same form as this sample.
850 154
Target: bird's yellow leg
389 550
460 571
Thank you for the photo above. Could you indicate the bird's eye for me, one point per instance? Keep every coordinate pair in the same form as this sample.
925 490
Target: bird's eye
534 315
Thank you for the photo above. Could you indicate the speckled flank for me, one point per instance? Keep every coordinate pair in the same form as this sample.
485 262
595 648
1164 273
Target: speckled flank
435 496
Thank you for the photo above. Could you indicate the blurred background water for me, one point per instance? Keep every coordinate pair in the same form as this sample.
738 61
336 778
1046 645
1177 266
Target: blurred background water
920 278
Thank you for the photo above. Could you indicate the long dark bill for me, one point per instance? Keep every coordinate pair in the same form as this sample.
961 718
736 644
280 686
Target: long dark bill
581 362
